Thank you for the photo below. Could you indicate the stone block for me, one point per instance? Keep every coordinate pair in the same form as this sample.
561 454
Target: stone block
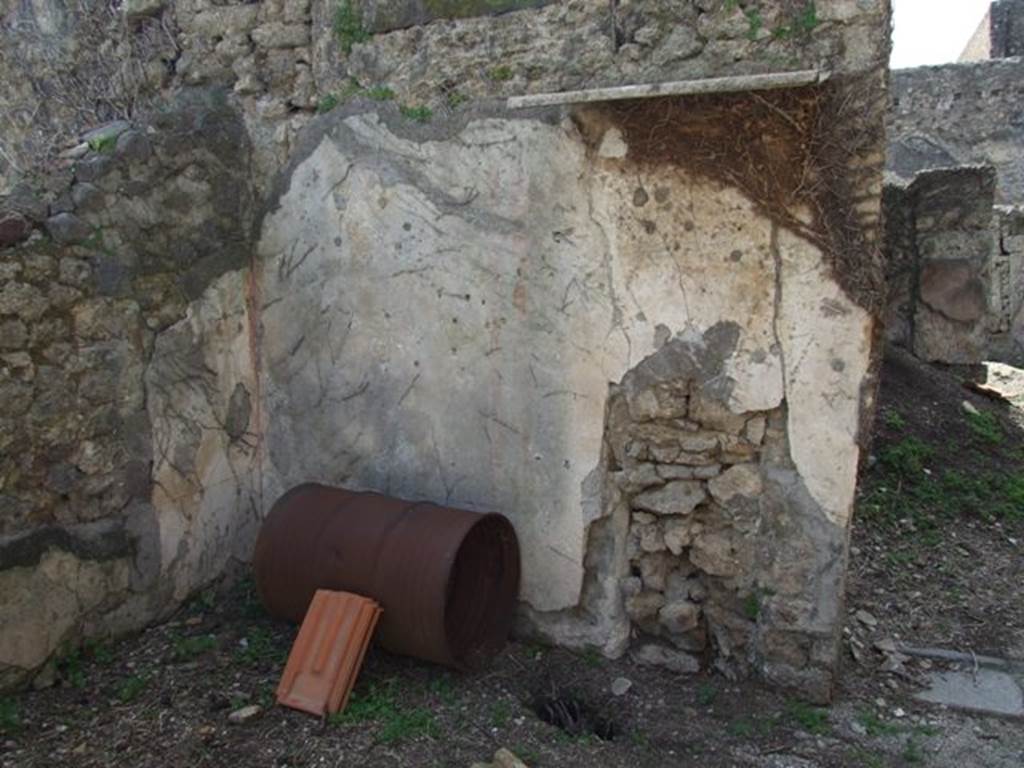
667 658
66 228
679 497
953 288
739 480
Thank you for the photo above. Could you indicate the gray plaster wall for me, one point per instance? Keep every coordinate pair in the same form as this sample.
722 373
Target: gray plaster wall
959 114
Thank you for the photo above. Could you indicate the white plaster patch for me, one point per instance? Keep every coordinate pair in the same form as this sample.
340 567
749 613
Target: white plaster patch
826 343
613 146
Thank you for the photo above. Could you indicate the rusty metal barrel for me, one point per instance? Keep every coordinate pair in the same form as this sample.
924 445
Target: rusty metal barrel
446 578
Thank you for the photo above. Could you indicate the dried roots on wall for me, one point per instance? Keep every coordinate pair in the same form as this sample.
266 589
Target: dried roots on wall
809 158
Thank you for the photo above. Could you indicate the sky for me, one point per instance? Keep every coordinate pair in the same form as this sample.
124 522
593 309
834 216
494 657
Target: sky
932 31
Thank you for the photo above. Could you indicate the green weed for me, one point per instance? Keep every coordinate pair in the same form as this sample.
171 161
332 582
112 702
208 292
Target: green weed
380 93
754 23
501 713
812 719
706 694
10 720
807 19
894 419
986 426
876 726
100 652
499 74
259 647
130 689
327 103
187 648
742 728
907 457
71 666
103 144
416 114
455 99
442 688
348 26
380 705
593 658
752 605
912 753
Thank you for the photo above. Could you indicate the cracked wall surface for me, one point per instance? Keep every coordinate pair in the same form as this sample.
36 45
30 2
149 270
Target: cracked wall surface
432 332
231 294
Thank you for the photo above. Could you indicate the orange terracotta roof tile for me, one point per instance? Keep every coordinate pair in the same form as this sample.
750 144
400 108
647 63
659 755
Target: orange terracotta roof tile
328 652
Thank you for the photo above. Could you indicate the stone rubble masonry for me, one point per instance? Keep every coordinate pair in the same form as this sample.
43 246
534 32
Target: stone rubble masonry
83 297
959 114
282 59
207 303
956 268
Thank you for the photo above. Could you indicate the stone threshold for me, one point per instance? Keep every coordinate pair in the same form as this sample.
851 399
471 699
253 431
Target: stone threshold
732 84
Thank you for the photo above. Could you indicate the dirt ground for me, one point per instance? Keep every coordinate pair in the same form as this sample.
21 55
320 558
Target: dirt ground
936 560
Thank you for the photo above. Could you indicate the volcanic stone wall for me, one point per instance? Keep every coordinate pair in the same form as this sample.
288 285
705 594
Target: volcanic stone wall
322 248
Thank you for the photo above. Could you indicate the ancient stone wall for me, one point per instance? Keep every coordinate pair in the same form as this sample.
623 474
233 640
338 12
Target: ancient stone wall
67 67
427 294
955 269
960 114
90 282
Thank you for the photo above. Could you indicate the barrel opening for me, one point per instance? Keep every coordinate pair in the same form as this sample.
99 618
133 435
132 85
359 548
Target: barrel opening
482 591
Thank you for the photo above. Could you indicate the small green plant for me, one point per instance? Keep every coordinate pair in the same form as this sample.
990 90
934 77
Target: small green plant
70 666
706 694
416 114
380 93
639 738
442 688
408 724
807 19
327 103
593 658
500 74
782 32
812 719
259 647
501 713
9 718
455 99
986 426
730 5
348 26
742 728
907 457
894 419
754 23
380 704
875 726
100 652
103 144
130 689
187 648
912 753
752 605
